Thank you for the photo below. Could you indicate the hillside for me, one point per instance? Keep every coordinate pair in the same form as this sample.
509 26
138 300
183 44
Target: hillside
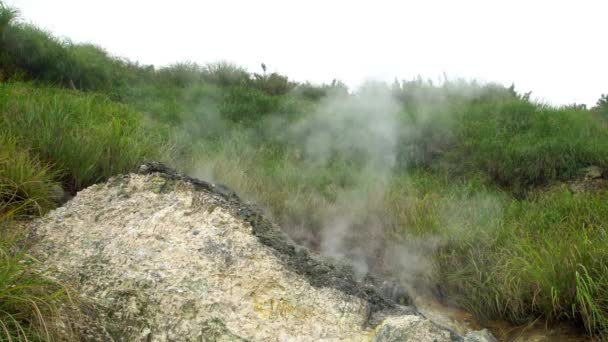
165 257
466 192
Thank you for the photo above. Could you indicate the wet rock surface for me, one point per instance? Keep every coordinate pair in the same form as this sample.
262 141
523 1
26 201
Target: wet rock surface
166 257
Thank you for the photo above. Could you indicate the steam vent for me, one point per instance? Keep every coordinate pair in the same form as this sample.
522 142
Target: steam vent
164 257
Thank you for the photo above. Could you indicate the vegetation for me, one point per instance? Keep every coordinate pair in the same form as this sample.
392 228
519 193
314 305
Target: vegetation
84 137
33 307
602 106
518 143
518 259
27 185
471 179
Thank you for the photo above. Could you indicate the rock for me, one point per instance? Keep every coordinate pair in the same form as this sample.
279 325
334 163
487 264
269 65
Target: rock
592 172
411 328
214 330
480 336
59 195
417 328
165 257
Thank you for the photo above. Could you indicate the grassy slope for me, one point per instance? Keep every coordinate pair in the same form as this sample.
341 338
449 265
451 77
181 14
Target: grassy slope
505 251
85 137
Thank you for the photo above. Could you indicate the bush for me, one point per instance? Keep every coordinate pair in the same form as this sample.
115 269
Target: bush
273 84
225 74
181 74
315 93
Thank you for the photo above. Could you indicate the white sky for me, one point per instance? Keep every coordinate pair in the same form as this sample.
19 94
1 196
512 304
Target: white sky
558 49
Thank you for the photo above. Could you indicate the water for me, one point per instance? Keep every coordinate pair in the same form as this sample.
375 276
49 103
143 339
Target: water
463 322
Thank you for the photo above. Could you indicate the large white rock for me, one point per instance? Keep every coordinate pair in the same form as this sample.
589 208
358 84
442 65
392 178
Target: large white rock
168 258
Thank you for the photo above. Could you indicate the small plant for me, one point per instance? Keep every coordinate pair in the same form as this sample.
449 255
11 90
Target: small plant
33 307
26 185
273 84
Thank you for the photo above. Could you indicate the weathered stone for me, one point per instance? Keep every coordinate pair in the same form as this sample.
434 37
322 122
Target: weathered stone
411 328
214 330
480 336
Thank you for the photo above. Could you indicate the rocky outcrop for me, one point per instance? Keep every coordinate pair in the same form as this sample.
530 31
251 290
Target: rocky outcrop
169 258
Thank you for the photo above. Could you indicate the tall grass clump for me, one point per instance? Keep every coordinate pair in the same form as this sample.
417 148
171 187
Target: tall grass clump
27 186
33 307
545 258
86 137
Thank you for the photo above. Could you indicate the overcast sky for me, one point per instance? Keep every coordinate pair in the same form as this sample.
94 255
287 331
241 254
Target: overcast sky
558 49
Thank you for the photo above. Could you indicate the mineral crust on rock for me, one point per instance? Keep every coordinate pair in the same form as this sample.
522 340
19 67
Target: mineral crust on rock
168 258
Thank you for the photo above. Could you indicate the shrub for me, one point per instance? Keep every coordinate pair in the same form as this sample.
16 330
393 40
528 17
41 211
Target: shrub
181 74
273 84
225 74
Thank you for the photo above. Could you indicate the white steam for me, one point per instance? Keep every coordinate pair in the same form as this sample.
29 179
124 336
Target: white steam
362 127
358 141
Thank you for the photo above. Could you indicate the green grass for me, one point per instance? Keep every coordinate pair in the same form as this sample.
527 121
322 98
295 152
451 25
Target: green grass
85 137
511 259
31 53
472 129
554 259
519 144
33 307
27 186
